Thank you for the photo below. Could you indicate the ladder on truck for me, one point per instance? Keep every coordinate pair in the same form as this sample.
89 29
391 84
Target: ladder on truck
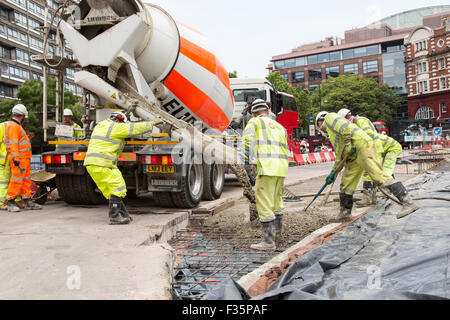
54 65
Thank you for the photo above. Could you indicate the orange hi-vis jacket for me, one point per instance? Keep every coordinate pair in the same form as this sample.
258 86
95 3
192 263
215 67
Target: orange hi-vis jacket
17 142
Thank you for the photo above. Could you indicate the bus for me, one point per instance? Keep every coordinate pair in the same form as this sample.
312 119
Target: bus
381 127
283 107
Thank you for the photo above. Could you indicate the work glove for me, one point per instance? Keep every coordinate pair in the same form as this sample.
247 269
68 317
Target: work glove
246 157
349 148
16 162
157 121
331 178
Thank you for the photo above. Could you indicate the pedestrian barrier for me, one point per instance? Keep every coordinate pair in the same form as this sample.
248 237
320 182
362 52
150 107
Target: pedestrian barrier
312 158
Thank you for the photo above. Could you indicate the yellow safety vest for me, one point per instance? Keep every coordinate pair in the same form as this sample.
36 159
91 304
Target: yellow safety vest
3 152
107 141
382 142
266 141
341 131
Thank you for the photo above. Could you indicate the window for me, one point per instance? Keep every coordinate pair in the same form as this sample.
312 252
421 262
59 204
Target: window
425 113
20 73
370 66
313 87
36 43
351 68
347 54
36 9
33 24
443 83
315 74
21 3
443 108
422 67
239 94
279 64
5 53
371 50
22 56
441 62
420 46
289 63
20 19
298 77
312 59
332 72
285 76
17 35
441 43
70 73
3 30
422 86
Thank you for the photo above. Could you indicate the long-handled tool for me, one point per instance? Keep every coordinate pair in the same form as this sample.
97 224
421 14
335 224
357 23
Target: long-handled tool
336 172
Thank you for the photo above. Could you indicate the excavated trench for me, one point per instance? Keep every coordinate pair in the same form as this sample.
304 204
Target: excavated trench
219 249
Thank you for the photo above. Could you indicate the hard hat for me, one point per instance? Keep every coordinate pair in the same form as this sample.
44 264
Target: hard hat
119 116
20 109
68 112
344 113
259 105
320 117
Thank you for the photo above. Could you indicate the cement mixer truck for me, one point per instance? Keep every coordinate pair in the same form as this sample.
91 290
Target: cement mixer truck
135 57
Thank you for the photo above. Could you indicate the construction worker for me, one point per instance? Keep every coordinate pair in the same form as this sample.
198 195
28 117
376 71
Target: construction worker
68 121
18 146
388 151
105 147
265 142
5 169
358 150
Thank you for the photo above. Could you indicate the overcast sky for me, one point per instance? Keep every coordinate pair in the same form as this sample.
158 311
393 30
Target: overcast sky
246 34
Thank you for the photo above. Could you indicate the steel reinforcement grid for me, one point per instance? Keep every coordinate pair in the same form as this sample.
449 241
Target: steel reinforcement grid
207 256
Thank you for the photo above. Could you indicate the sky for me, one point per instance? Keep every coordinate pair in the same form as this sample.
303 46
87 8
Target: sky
246 34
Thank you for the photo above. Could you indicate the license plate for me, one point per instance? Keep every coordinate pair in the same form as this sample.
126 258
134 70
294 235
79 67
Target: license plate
150 168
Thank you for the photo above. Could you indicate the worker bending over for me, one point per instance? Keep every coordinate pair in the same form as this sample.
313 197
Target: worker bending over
18 146
359 152
388 151
265 142
105 147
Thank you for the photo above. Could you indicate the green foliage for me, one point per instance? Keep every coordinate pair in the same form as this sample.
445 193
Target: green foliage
30 95
233 74
363 96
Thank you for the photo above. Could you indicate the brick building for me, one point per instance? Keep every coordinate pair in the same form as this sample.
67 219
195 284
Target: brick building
375 51
19 40
428 73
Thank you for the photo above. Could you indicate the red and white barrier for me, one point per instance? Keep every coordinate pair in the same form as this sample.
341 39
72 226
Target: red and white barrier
312 158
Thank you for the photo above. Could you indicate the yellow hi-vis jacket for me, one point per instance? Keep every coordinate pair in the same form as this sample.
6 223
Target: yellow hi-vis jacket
107 141
382 142
341 131
266 140
3 152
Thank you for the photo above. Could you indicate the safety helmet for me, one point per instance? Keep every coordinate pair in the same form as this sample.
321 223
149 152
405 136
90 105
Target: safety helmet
259 105
119 116
320 117
68 112
344 113
20 109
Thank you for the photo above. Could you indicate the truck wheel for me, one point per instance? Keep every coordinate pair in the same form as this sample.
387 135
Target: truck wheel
78 189
163 199
213 181
192 186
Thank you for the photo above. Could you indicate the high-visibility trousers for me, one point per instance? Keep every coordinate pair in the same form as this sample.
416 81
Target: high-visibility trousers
109 181
389 160
269 197
365 159
20 183
5 176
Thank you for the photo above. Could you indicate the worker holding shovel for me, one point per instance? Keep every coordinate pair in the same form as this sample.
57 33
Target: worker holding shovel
265 140
352 142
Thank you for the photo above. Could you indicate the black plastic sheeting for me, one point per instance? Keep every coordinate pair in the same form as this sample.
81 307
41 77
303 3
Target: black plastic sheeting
377 257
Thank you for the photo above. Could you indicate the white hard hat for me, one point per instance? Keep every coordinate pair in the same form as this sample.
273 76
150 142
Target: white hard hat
259 105
344 113
20 109
119 116
320 117
68 112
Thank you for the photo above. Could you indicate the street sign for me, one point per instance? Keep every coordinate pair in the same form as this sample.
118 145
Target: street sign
437 131
312 131
418 138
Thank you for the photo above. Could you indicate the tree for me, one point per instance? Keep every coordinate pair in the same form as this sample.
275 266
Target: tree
301 96
363 96
233 74
30 94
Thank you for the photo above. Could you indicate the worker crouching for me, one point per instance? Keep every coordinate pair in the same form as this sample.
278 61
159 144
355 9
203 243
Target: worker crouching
353 146
105 147
265 142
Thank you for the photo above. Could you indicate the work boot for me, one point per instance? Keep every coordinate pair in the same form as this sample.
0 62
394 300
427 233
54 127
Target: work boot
408 205
278 228
116 214
268 243
366 200
124 211
31 205
12 206
345 212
